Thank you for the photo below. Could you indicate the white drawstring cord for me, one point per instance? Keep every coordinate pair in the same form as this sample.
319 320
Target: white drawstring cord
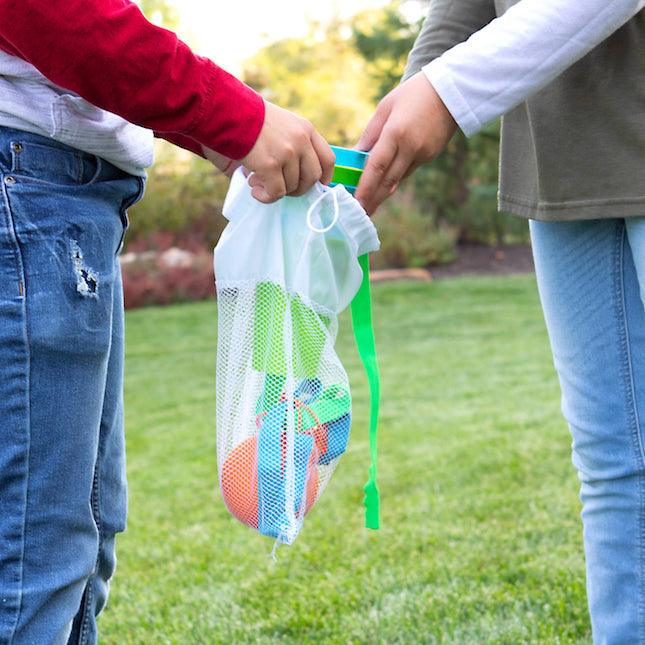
312 208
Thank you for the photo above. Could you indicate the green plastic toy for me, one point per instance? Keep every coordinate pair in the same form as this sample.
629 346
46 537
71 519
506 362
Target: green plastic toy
308 335
348 168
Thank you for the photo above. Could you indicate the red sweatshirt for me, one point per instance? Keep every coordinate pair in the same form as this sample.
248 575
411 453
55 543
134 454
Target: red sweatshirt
107 52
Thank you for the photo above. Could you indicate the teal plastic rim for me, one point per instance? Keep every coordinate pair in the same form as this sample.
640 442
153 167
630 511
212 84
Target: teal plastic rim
350 158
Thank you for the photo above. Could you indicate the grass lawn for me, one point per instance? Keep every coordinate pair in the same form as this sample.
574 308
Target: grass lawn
480 539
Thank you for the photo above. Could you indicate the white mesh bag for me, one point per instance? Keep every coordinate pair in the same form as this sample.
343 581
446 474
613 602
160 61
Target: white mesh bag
284 272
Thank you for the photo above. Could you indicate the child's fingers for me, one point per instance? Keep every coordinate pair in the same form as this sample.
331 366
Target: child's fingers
374 127
326 157
376 168
291 174
310 172
267 188
390 180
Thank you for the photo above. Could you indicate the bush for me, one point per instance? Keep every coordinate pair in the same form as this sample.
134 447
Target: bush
485 224
411 239
182 205
152 283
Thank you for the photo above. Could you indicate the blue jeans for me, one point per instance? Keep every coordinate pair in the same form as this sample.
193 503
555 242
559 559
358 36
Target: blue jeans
62 467
591 277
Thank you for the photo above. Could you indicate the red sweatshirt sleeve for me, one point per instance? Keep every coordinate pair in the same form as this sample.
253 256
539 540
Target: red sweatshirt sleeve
107 52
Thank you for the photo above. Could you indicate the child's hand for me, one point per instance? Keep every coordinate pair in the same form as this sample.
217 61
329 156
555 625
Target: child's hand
288 158
411 126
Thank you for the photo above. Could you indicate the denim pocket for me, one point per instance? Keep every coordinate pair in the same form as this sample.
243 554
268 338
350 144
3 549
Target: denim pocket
52 164
129 201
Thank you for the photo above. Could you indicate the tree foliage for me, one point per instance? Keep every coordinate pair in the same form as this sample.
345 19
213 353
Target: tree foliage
321 77
384 38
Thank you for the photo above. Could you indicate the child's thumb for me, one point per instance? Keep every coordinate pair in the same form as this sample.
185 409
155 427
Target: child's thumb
261 194
374 127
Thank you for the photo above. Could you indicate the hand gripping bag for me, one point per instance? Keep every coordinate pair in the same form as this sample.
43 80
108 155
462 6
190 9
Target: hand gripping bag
284 272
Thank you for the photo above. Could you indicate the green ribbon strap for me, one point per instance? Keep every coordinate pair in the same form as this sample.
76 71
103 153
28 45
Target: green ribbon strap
364 334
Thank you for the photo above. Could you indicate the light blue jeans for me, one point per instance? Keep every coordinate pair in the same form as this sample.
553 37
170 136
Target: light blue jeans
591 277
62 467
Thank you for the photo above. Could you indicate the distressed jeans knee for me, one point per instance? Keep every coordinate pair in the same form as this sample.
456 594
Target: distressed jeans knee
87 283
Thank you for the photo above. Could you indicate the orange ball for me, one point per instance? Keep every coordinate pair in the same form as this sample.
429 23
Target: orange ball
239 481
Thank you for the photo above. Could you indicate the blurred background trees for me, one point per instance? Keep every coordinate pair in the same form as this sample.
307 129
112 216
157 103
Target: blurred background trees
335 76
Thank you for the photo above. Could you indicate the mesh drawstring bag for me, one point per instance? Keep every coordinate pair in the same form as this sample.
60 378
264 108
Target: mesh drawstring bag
284 272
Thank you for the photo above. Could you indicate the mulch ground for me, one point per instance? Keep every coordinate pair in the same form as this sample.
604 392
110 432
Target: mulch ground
487 260
472 259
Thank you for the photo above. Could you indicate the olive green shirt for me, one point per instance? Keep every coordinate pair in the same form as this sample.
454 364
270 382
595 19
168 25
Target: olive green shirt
576 148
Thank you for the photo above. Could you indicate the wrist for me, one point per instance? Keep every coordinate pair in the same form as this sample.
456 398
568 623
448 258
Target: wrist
441 113
451 98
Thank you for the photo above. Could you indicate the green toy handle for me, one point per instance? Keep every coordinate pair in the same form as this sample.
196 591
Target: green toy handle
334 403
364 334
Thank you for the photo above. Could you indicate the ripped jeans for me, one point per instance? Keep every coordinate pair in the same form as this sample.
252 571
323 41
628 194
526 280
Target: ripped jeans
62 461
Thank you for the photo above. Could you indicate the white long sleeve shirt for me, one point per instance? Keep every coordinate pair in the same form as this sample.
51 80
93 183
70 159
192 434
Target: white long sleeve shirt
520 52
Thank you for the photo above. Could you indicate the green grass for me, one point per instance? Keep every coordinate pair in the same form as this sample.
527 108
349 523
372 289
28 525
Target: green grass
480 539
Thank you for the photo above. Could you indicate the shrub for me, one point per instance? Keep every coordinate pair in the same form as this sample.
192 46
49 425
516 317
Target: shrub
485 224
151 283
411 239
182 205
